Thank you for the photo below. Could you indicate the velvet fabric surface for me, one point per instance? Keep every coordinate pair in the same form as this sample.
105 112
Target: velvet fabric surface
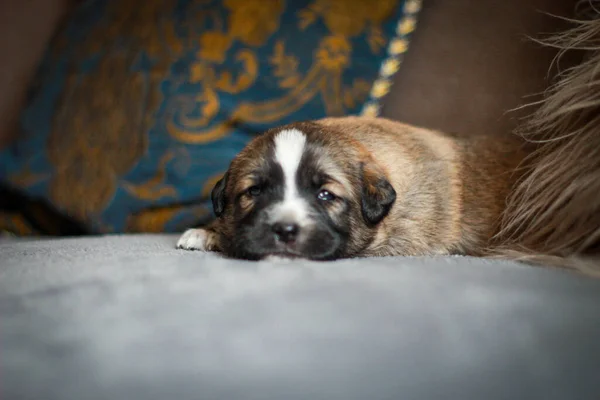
130 317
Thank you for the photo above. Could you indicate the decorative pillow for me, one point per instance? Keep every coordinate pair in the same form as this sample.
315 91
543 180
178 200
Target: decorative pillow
140 105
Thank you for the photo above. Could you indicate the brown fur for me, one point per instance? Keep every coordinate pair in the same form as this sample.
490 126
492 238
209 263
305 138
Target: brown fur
450 190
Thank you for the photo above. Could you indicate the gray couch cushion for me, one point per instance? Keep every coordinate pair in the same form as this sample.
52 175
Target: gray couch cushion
130 317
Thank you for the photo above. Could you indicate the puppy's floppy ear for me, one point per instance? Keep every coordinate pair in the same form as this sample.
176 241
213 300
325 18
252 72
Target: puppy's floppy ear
218 196
377 193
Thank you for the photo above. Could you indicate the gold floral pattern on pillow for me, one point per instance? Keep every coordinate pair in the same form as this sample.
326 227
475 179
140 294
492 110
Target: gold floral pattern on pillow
141 105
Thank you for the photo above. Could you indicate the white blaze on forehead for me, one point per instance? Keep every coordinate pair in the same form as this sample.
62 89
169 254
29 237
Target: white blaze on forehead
289 147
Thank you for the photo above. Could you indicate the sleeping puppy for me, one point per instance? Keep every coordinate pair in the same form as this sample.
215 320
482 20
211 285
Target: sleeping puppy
359 187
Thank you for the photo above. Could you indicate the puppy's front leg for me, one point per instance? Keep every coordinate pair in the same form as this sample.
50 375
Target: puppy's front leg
202 239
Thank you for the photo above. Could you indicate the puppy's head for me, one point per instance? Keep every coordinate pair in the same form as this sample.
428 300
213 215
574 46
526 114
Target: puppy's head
303 190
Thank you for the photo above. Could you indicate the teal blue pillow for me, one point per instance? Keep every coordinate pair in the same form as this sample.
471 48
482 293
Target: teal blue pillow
139 106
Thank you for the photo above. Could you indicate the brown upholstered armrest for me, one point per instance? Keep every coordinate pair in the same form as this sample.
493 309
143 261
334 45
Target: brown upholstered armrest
470 61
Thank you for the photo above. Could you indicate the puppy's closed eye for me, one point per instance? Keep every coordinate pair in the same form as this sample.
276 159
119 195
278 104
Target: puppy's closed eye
254 191
247 198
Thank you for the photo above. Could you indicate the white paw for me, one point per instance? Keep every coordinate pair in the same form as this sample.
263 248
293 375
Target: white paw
193 239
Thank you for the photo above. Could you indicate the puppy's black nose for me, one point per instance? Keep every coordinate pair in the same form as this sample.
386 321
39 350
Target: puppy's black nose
286 232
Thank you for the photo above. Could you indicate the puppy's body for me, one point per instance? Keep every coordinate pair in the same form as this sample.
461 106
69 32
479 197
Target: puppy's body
451 188
390 189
